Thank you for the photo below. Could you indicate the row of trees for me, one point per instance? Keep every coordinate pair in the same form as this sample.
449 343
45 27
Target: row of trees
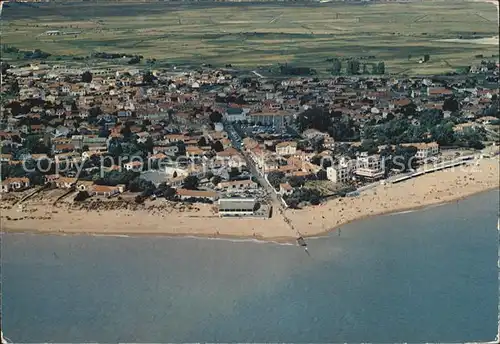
354 67
431 126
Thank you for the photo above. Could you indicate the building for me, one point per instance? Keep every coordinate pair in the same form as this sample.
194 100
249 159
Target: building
275 119
236 206
234 115
196 194
194 152
237 185
65 182
286 148
424 150
339 174
133 166
15 184
105 190
285 189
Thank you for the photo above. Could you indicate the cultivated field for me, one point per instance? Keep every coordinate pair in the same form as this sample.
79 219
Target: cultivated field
257 34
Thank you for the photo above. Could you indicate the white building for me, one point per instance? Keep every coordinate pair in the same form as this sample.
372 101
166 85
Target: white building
286 148
339 174
424 150
236 206
235 114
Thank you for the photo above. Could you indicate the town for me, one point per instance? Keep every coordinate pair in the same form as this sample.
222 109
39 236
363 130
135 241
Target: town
244 142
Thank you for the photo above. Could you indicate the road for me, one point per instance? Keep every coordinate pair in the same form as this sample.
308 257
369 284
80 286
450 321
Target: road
236 141
258 74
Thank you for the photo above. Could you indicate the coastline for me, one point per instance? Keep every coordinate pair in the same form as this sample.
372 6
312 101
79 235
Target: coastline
412 195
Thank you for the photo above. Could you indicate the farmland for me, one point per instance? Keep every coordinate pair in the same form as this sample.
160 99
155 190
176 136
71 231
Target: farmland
261 34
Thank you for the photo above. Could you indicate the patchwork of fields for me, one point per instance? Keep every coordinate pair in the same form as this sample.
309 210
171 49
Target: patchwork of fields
256 34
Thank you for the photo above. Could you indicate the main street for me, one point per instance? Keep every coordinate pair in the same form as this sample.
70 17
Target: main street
236 141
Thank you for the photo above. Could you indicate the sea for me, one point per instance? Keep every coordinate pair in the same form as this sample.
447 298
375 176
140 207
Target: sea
423 276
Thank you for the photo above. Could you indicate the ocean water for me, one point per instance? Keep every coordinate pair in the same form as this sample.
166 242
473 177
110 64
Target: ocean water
421 276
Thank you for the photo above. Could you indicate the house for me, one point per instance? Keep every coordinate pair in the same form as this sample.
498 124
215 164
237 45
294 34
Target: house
237 185
65 182
424 150
285 189
231 158
236 206
135 166
194 152
464 126
339 174
369 167
84 185
5 157
105 190
15 184
286 148
196 194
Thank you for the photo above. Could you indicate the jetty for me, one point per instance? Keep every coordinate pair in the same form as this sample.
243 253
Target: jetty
431 170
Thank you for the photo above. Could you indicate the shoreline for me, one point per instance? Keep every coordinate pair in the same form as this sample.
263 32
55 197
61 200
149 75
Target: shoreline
160 218
239 238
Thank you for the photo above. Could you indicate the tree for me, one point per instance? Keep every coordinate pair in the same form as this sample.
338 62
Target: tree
234 172
217 146
296 181
81 196
14 88
427 58
275 178
404 158
353 67
365 69
202 142
215 117
148 78
450 104
87 77
381 67
191 183
321 175
336 67
169 192
216 180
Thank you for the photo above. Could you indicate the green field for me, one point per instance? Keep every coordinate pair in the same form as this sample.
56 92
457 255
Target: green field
258 34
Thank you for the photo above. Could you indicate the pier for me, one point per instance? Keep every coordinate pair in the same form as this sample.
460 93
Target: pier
434 169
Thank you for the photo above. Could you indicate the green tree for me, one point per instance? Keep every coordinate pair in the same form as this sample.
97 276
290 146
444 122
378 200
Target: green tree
202 142
381 67
191 183
87 77
148 78
353 67
216 180
217 146
336 66
275 178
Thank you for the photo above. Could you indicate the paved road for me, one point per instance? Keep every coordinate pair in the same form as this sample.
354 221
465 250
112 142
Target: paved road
233 135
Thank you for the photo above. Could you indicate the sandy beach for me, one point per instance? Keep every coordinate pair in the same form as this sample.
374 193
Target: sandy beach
162 218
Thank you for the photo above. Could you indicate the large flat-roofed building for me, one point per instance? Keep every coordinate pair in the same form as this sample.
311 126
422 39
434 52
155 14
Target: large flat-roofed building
275 119
236 206
240 207
369 167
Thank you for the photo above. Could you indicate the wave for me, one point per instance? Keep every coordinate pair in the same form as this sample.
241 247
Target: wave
236 240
